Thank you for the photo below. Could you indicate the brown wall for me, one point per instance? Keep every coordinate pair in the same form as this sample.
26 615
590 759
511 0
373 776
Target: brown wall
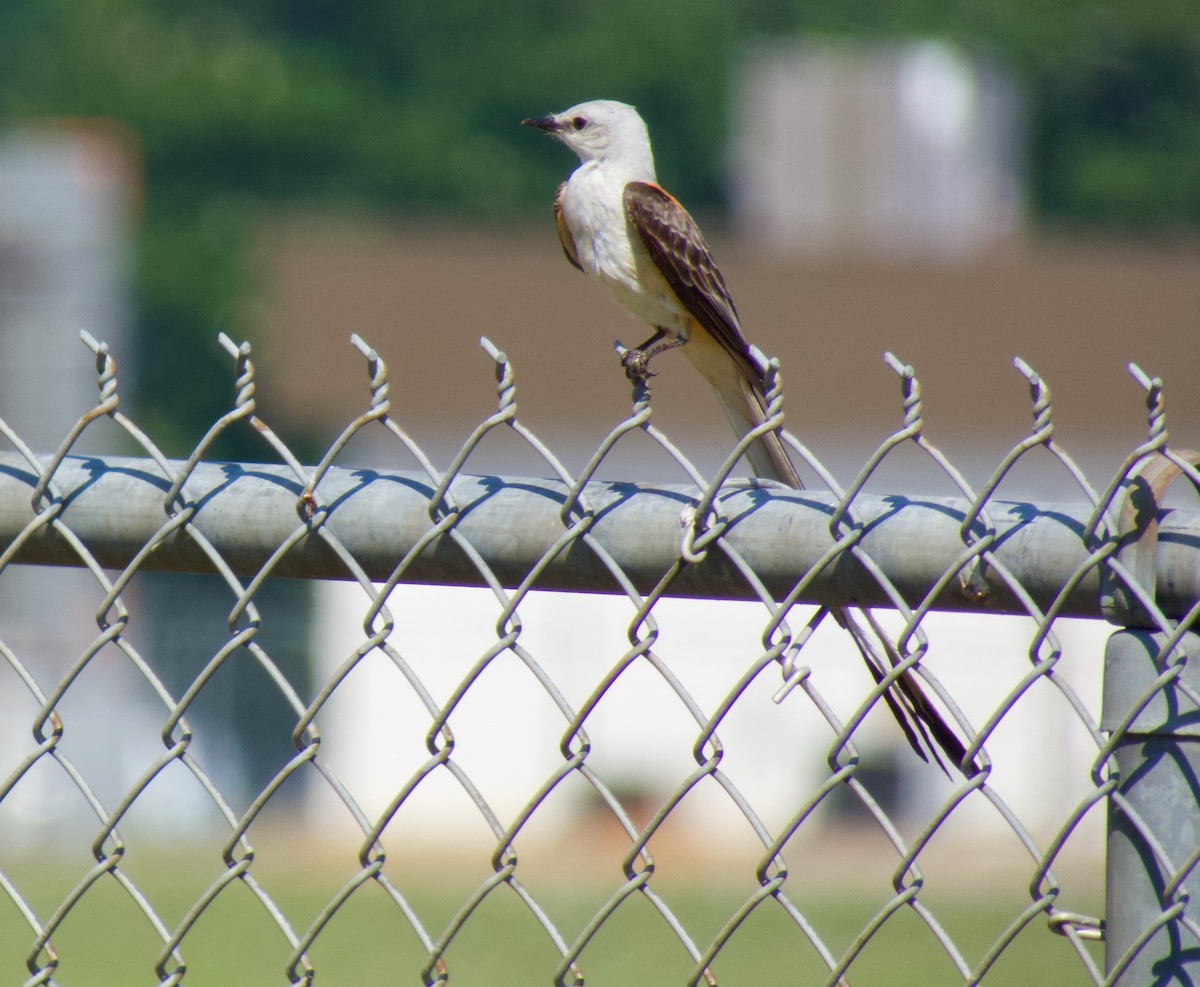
1077 313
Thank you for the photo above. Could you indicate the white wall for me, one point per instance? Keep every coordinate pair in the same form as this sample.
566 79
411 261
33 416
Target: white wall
507 731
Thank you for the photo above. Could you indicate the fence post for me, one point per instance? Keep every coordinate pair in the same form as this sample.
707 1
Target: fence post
1154 815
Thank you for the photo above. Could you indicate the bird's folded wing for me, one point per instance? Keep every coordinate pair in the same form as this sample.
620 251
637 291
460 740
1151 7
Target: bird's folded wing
678 250
564 234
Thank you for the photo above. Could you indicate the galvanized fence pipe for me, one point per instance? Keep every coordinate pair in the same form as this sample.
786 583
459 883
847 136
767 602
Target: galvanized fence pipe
246 511
1151 710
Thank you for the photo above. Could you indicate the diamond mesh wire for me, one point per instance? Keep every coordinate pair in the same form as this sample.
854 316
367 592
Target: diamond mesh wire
776 807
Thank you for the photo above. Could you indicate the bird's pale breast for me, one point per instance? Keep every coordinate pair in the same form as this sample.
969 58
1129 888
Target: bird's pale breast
594 212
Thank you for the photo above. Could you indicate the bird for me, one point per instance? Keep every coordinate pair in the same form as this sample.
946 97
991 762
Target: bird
618 224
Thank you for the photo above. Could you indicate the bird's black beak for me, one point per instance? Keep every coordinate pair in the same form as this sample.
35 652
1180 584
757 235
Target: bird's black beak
548 124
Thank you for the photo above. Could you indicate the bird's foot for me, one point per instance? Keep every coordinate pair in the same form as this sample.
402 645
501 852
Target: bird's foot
637 365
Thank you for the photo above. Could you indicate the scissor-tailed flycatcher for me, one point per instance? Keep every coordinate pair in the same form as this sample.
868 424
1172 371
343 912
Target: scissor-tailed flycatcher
617 223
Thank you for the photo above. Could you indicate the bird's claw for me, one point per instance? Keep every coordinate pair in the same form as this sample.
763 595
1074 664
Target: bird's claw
637 366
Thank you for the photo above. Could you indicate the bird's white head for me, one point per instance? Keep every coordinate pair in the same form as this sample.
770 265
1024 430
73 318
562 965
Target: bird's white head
605 131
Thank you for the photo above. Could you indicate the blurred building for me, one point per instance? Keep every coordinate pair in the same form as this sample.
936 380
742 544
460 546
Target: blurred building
67 195
68 191
912 150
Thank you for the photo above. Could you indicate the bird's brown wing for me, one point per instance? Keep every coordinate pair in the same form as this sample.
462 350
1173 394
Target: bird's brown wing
678 250
564 234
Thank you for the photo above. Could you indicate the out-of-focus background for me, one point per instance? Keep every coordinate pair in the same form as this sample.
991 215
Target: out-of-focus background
958 184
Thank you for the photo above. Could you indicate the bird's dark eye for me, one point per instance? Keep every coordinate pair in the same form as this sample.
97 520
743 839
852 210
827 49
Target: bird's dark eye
579 123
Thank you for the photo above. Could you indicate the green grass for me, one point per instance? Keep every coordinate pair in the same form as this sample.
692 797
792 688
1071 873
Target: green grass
105 941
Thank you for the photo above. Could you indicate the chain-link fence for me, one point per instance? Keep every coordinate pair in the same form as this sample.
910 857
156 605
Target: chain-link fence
664 787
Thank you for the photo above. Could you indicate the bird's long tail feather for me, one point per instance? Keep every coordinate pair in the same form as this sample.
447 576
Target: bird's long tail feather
923 725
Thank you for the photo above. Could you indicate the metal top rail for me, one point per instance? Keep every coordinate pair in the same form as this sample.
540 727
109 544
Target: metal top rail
117 506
